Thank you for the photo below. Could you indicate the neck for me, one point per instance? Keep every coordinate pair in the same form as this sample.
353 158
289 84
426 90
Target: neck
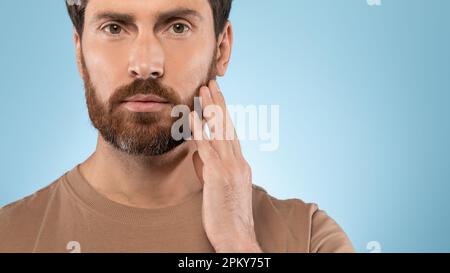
142 181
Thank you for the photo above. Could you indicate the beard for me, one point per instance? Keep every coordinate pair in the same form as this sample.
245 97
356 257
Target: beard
138 133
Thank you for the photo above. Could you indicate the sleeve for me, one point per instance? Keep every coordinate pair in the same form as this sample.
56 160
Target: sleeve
327 236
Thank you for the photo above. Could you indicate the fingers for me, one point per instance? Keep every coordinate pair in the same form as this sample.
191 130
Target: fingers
214 116
224 140
205 150
229 131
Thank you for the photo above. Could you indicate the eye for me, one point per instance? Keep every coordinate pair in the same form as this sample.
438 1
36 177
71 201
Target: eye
113 29
179 28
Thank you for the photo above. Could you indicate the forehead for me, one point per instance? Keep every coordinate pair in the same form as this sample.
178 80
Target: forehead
148 9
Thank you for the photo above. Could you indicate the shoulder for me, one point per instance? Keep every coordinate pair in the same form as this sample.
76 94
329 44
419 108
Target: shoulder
292 208
306 222
20 220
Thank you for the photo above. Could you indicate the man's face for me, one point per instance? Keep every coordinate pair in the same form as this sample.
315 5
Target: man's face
140 47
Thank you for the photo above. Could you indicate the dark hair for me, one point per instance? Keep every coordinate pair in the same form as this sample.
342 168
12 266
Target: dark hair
220 8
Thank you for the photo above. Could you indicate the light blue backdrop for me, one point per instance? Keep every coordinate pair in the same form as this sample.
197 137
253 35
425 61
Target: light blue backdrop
364 96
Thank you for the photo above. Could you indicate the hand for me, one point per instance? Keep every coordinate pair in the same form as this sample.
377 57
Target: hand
226 177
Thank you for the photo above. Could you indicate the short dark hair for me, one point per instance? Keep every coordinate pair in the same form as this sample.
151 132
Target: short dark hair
220 8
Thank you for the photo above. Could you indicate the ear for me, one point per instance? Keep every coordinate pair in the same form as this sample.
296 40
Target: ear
224 46
77 40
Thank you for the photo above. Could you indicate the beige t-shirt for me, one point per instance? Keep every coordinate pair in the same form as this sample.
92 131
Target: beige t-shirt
71 216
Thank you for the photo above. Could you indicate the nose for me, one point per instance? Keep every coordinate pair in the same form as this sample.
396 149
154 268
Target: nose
146 58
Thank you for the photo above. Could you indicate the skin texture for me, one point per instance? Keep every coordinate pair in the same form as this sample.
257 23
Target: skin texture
148 48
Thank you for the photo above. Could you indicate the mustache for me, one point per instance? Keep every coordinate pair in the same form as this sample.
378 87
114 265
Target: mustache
148 86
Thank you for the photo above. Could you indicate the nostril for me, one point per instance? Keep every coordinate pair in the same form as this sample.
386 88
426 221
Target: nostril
145 73
133 73
155 75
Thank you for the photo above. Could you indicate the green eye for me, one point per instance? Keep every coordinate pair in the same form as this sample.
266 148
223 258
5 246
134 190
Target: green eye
114 29
180 28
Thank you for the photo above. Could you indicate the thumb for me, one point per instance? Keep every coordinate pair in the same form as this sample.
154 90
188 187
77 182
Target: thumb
198 166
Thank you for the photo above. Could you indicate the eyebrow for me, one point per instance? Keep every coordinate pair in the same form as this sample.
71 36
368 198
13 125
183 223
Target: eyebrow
179 12
115 16
160 18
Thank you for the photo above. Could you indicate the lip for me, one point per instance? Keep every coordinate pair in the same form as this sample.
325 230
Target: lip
146 98
145 103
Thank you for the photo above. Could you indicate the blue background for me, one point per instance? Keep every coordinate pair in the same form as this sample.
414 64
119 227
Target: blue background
363 91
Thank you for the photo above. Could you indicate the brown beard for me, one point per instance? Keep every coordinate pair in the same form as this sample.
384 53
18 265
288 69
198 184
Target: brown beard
145 134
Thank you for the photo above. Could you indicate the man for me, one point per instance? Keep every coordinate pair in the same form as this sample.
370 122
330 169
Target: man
143 189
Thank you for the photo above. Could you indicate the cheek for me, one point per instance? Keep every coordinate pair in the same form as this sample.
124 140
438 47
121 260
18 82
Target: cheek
187 69
107 69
